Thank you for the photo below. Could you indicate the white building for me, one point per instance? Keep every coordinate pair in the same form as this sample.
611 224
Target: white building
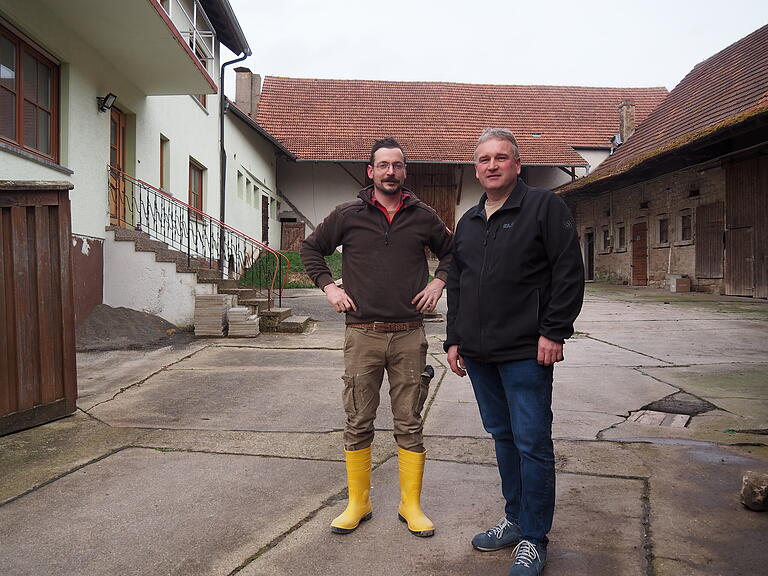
133 85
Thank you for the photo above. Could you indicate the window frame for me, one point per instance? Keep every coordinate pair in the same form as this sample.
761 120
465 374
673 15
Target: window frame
198 170
621 237
665 219
683 214
24 46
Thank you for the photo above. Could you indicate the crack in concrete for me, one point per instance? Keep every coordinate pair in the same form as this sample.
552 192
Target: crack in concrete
628 349
328 502
65 473
140 382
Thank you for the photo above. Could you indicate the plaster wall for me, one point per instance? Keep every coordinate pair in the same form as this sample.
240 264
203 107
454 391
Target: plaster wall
134 280
316 188
251 175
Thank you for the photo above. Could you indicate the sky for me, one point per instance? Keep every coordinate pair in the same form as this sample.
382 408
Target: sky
558 42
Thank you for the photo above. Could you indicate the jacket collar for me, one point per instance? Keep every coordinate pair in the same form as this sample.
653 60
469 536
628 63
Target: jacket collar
515 199
366 195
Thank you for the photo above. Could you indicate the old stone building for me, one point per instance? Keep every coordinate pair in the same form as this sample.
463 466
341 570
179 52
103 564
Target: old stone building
685 194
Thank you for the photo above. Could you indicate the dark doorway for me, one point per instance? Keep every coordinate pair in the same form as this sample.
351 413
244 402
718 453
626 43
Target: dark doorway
589 255
640 254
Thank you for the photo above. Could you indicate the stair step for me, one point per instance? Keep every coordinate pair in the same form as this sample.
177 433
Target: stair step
260 304
294 324
208 273
242 293
270 319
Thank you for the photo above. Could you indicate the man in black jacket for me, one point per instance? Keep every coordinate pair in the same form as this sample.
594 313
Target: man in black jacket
386 291
515 287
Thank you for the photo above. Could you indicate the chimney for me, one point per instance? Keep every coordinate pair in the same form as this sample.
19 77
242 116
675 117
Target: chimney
247 90
626 119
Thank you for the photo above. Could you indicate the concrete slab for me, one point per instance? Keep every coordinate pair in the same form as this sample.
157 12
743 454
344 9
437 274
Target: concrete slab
97 377
142 512
303 445
32 457
268 399
464 499
584 350
692 341
739 389
699 525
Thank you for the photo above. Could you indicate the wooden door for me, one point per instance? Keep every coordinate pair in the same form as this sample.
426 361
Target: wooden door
589 256
640 254
710 225
117 160
292 236
739 262
265 220
435 185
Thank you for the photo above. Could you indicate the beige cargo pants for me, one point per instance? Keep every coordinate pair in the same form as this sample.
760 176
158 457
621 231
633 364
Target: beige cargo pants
366 355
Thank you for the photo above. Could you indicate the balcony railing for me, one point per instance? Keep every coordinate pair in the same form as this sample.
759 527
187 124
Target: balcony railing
206 242
195 27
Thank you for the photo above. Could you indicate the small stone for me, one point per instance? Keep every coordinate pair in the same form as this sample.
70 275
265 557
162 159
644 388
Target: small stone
754 490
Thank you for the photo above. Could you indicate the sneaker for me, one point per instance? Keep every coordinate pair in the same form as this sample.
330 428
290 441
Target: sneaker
504 534
529 559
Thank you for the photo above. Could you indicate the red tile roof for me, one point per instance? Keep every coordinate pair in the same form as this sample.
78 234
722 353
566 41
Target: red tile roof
725 89
440 122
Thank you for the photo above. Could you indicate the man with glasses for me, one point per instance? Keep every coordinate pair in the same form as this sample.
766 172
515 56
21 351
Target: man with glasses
383 234
515 288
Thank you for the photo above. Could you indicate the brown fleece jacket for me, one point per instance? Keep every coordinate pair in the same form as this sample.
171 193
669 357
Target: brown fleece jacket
384 265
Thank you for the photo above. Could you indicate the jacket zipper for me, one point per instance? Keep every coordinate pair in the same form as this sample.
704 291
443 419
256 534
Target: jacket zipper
480 283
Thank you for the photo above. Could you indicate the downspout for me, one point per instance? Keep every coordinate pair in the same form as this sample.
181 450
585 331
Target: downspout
223 158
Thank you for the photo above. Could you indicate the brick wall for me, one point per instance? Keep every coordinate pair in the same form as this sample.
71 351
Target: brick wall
672 197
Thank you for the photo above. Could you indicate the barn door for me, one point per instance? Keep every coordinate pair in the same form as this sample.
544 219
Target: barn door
739 262
710 224
640 254
435 185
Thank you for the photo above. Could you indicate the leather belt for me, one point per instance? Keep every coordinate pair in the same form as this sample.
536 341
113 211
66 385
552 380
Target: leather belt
389 326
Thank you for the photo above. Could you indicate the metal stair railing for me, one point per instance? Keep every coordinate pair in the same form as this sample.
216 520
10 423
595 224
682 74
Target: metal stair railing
206 242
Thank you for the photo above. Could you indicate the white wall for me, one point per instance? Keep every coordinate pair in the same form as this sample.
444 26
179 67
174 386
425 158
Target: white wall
85 132
253 157
316 188
134 280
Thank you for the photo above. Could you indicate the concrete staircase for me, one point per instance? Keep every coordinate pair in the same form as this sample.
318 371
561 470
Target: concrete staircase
271 319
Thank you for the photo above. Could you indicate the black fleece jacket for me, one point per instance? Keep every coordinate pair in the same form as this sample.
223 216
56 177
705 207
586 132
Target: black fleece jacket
383 265
514 277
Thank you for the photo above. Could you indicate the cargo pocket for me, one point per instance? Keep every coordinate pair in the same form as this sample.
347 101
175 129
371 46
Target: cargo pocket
348 395
424 380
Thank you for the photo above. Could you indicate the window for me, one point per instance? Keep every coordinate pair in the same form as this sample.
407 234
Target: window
606 240
165 153
686 226
29 87
663 236
196 185
621 235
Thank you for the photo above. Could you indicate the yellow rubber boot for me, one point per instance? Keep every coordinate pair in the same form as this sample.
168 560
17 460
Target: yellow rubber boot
359 488
411 475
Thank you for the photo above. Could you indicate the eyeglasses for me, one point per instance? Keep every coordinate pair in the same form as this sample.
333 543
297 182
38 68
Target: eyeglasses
384 166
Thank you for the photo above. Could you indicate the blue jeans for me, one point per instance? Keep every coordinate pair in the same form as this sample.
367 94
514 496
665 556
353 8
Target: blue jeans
515 400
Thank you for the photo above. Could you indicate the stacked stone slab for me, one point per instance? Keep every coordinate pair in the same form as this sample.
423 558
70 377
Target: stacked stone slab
211 314
242 324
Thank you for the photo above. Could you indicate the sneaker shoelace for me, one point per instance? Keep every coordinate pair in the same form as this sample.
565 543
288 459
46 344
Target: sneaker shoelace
498 530
526 553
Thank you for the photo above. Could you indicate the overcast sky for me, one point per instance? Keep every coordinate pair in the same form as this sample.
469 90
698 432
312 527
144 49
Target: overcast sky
578 43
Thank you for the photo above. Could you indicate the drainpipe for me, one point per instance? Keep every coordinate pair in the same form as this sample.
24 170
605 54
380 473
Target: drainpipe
223 158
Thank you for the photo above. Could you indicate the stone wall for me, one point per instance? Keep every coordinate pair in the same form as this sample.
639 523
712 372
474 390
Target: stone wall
673 198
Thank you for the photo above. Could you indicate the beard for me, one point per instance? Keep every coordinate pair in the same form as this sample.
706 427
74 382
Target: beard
387 191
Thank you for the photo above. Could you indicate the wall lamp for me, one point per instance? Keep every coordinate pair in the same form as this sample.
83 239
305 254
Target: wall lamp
106 102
